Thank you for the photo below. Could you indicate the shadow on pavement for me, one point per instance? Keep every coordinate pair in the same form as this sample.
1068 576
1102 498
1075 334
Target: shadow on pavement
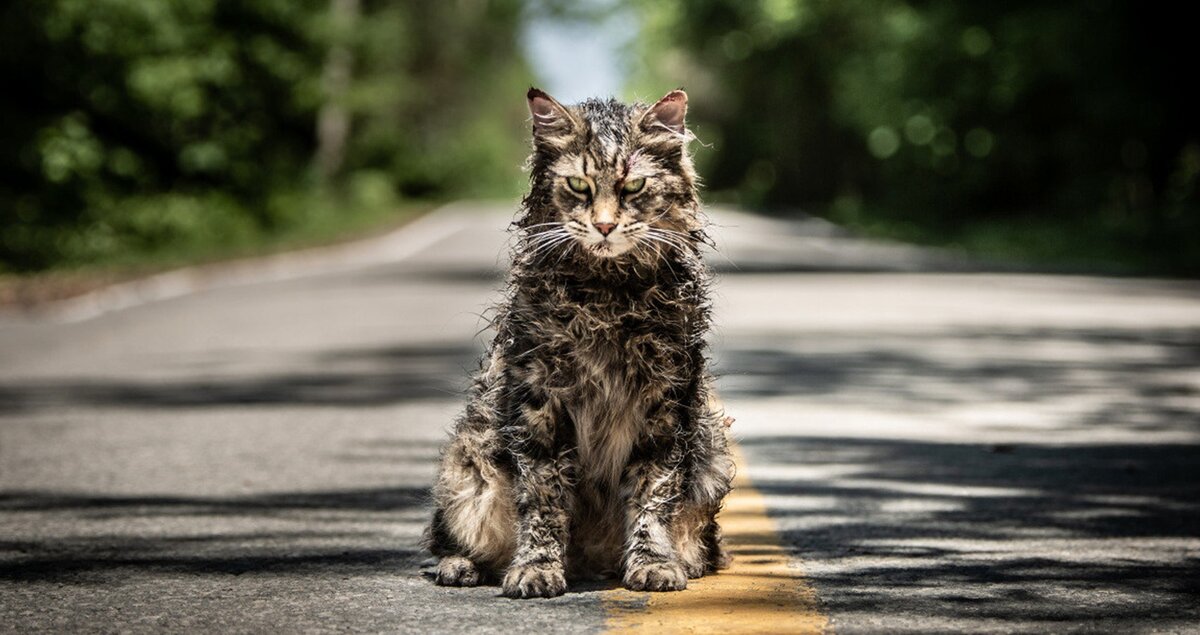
1101 378
1086 513
198 535
352 377
1090 530
1035 532
92 537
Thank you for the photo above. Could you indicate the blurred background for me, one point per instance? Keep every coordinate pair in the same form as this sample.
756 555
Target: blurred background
150 133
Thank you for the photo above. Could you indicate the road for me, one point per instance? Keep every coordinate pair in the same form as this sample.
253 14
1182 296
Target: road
936 449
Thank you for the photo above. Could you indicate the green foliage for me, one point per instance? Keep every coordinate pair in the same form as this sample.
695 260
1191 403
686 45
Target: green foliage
439 88
943 116
134 127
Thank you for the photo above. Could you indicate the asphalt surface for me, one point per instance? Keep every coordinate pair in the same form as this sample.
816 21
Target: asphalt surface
942 450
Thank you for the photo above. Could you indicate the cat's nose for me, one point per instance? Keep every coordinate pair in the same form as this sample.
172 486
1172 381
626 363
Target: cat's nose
604 228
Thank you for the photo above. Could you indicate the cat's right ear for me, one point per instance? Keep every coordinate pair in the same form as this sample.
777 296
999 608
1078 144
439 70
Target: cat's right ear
552 121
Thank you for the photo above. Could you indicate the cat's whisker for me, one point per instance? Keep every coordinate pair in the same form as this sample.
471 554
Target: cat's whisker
534 226
685 241
544 236
540 236
654 249
541 240
544 249
660 247
550 239
566 251
538 232
562 238
662 254
692 241
534 244
665 234
676 242
549 246
672 232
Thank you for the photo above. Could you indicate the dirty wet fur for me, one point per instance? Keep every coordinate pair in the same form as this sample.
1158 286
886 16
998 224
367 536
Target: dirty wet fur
591 445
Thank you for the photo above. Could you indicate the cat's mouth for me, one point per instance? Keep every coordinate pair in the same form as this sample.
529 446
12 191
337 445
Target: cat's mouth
607 248
613 241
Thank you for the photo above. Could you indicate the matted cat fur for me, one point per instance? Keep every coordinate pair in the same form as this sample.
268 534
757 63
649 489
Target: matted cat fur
591 445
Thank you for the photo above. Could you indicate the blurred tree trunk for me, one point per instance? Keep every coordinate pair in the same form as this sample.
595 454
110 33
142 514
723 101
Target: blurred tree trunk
333 121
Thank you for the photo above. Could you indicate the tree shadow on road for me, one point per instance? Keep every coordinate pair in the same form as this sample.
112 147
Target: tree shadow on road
338 377
1126 378
1088 531
1087 514
1031 532
300 533
93 536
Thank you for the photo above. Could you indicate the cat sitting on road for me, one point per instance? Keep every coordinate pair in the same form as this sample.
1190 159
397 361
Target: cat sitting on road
590 445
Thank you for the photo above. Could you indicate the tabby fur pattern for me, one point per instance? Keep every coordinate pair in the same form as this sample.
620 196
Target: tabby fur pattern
591 444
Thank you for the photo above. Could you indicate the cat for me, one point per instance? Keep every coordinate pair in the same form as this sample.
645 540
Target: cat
591 444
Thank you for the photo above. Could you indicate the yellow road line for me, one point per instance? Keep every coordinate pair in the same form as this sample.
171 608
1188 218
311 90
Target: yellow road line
762 592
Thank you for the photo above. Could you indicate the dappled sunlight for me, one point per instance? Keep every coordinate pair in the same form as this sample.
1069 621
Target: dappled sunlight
925 527
99 539
976 463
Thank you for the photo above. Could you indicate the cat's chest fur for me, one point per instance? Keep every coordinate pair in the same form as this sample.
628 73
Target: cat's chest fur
617 355
608 420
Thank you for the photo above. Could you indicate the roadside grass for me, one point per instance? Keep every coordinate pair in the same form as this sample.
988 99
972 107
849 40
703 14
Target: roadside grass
323 222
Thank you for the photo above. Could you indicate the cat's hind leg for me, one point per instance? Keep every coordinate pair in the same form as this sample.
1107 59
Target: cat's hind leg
697 540
457 571
475 518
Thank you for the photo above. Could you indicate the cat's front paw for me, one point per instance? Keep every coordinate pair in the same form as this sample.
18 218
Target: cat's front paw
534 581
457 571
656 576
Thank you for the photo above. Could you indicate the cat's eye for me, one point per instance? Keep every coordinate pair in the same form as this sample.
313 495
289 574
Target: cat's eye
633 186
579 185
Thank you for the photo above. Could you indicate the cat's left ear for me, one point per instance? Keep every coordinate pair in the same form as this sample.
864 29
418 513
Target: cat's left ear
551 120
667 113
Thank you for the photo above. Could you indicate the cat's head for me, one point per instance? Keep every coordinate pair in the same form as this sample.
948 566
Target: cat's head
611 179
